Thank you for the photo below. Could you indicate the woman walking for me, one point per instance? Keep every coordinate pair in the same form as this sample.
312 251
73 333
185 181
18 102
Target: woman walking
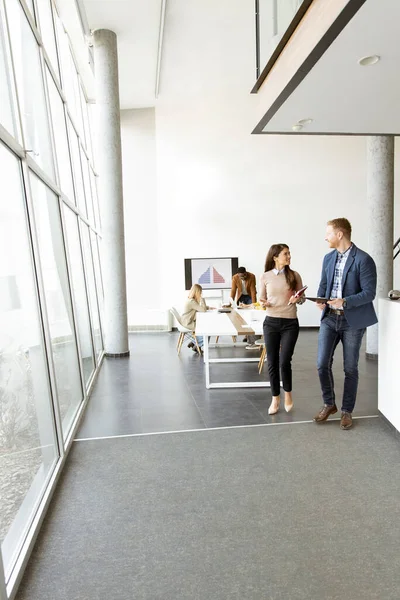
279 285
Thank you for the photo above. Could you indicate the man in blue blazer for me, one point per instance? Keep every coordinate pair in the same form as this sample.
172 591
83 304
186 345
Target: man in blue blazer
349 281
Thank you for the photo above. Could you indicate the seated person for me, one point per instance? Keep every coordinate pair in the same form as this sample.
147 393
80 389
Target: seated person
244 287
194 304
244 292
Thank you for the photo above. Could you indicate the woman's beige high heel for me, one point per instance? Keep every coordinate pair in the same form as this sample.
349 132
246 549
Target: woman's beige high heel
274 406
288 406
288 403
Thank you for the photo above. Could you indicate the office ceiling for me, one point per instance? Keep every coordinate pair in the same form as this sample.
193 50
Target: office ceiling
136 23
340 95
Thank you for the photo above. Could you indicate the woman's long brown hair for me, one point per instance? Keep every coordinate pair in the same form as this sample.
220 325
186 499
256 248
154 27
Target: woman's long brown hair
274 252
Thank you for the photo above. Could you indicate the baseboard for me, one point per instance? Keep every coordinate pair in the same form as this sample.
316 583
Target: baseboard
390 425
148 328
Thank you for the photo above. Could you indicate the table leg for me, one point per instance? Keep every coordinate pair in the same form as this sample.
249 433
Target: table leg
206 360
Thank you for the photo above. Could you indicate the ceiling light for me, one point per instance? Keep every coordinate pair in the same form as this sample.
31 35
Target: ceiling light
305 121
367 61
297 127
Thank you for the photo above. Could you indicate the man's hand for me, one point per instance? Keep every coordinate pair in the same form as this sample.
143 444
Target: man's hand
336 303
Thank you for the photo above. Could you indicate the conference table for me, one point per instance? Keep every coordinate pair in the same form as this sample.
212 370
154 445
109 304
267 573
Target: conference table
237 322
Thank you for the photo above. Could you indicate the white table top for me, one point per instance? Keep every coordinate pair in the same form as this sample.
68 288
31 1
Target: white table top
214 323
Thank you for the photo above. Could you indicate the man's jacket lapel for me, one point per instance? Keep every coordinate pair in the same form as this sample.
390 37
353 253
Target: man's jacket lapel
348 264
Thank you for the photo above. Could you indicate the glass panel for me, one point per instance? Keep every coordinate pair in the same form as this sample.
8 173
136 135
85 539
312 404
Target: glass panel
58 301
7 114
77 107
92 126
97 270
88 191
76 164
47 30
286 11
70 80
78 285
86 123
275 17
93 180
60 138
28 449
65 63
92 290
29 4
30 87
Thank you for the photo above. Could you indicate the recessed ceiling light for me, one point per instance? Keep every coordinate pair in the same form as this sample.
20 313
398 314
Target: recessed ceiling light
297 127
305 121
367 61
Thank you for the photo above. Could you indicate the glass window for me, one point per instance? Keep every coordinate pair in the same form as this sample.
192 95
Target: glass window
47 30
29 4
88 191
28 449
79 288
86 123
97 270
70 80
94 310
92 114
7 112
64 56
30 87
60 138
58 300
77 107
95 199
77 169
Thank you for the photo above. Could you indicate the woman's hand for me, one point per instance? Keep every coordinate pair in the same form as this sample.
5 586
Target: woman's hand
265 303
294 299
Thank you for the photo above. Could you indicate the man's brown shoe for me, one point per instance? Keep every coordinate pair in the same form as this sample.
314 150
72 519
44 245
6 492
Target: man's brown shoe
346 421
326 410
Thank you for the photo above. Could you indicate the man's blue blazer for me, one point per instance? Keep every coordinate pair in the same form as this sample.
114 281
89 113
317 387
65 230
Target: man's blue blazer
358 286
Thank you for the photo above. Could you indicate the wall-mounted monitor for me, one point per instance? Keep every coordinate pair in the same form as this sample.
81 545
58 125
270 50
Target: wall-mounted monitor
210 273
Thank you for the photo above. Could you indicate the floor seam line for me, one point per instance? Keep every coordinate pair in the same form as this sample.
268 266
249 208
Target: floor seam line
127 435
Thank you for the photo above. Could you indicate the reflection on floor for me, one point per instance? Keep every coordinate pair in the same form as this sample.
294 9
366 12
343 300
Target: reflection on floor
155 390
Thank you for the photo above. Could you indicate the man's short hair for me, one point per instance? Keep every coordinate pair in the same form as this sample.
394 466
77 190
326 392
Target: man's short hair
242 270
342 225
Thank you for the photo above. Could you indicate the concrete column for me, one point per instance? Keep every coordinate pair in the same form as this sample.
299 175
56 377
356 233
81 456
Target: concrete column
3 592
109 163
380 193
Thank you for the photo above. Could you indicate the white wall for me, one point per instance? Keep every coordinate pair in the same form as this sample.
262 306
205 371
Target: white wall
141 218
221 191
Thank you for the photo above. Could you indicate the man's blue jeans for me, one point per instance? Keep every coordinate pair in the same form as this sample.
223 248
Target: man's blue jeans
200 340
335 329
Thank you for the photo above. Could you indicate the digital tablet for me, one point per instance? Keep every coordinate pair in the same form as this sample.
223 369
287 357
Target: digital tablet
318 300
299 293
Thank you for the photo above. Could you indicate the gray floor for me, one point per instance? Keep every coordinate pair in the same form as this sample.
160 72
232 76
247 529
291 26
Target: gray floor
297 512
270 512
154 390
